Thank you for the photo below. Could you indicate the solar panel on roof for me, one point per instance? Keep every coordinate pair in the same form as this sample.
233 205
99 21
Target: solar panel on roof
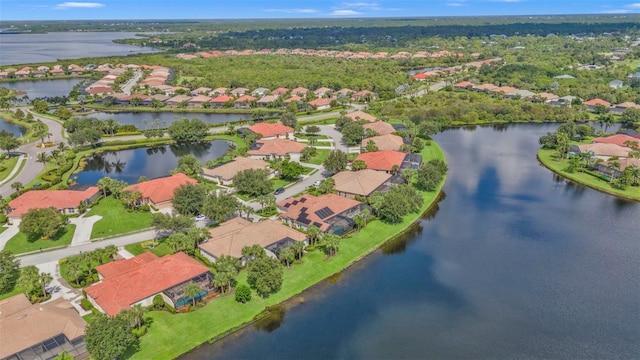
324 213
304 209
303 200
295 202
317 224
287 205
304 221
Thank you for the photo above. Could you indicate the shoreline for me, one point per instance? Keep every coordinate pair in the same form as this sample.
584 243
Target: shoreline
578 181
349 254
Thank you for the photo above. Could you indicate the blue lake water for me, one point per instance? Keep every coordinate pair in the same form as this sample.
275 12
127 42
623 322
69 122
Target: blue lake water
152 162
51 47
16 130
43 88
514 262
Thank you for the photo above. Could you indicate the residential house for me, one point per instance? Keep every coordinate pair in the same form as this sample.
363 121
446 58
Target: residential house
281 91
361 115
56 72
66 202
271 131
616 84
593 103
520 94
125 283
158 192
620 108
261 91
330 213
99 90
321 92
545 97
380 127
221 100
40 331
225 173
228 238
320 103
602 151
618 139
201 91
364 96
360 183
384 142
488 88
219 91
343 93
267 100
178 100
564 101
294 98
300 91
383 160
199 101
464 85
244 102
237 92
607 169
276 149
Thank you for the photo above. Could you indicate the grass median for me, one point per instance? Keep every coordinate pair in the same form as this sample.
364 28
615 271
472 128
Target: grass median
224 314
21 244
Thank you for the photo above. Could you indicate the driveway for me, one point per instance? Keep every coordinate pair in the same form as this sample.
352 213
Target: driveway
84 226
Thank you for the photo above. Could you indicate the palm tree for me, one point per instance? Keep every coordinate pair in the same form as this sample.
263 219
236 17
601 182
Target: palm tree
17 185
226 269
287 255
103 184
313 233
137 314
359 221
44 279
191 290
615 164
298 248
331 242
111 251
87 258
75 269
62 147
43 157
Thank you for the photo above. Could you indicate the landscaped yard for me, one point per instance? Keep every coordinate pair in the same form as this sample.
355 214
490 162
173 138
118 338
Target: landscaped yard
116 219
278 183
321 155
20 244
550 159
317 137
7 165
161 248
223 314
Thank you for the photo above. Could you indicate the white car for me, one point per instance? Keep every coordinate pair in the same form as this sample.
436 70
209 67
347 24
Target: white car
317 183
201 218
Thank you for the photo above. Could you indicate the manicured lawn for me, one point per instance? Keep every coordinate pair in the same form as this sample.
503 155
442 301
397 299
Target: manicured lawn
550 159
116 219
7 165
223 314
278 183
161 249
321 155
317 137
20 244
2 229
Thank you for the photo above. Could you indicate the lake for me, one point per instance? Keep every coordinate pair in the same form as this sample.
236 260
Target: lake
54 46
152 162
44 88
16 130
514 262
167 118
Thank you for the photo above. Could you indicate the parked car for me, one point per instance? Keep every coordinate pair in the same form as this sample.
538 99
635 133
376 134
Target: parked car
278 191
316 183
201 218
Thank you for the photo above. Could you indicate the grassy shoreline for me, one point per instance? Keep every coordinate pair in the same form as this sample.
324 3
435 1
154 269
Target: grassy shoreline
548 158
224 315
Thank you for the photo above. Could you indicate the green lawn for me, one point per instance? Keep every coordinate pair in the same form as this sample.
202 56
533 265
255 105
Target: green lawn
161 249
307 136
224 314
321 155
2 229
116 219
278 183
20 244
7 165
549 158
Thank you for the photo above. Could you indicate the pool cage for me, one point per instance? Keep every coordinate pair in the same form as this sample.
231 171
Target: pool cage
176 293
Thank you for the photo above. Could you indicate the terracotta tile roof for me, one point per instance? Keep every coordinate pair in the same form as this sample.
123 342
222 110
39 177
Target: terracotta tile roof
222 99
268 99
99 89
381 127
505 89
308 209
320 102
361 115
464 84
597 101
280 147
245 98
231 236
179 98
489 87
604 149
119 267
24 325
229 170
59 199
293 98
385 142
362 182
618 139
628 104
548 96
200 99
268 130
300 91
161 189
117 293
280 91
382 160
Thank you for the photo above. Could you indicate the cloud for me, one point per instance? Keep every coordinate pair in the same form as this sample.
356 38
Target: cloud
293 11
362 5
633 6
79 5
616 11
345 12
456 4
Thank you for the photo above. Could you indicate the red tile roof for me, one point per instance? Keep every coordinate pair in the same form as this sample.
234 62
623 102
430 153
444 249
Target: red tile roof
464 84
119 267
382 160
268 130
381 127
309 205
222 99
597 101
245 98
320 102
59 199
280 147
361 115
618 139
161 189
99 90
134 283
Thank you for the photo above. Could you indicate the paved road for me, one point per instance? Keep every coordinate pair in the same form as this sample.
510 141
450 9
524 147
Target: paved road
126 88
434 87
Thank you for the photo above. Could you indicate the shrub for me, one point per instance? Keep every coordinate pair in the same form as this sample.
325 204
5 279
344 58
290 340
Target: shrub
158 302
144 208
243 294
3 218
310 248
86 304
139 332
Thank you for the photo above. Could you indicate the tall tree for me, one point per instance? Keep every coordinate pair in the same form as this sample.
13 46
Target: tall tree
188 130
265 276
9 271
336 161
218 207
188 165
252 182
289 119
41 223
188 199
108 338
191 290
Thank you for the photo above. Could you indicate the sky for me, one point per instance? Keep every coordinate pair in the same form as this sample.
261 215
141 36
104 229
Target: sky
234 9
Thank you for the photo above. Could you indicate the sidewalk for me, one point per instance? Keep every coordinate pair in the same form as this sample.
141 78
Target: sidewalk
6 235
58 287
13 172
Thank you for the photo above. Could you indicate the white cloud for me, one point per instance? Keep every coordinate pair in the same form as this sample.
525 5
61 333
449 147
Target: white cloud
633 6
363 5
345 12
81 5
616 11
508 1
456 4
293 11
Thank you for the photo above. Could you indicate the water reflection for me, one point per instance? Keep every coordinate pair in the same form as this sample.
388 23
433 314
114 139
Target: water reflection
272 318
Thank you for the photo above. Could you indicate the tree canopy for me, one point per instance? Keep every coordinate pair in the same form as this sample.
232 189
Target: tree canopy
188 130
